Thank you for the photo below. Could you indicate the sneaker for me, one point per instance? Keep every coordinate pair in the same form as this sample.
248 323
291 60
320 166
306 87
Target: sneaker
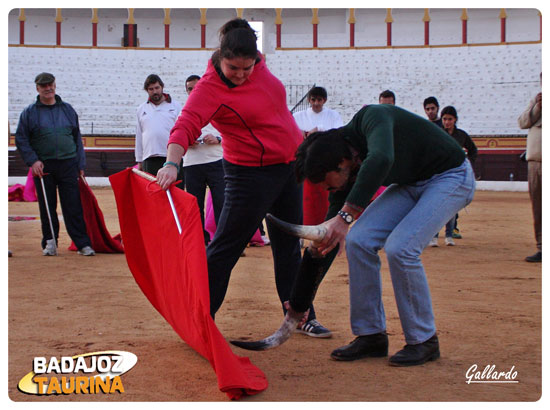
449 241
433 243
537 257
363 346
413 355
314 329
456 234
50 249
266 240
86 251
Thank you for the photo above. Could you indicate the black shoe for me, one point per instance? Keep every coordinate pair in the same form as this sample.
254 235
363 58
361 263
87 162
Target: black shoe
363 346
537 257
413 355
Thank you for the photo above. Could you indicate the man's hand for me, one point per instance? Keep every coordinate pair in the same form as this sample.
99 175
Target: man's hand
38 169
337 229
539 99
210 139
166 176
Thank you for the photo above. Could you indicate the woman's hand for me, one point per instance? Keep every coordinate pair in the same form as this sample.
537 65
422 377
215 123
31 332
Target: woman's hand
166 176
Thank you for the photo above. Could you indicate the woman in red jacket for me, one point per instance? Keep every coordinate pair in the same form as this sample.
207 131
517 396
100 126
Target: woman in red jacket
247 104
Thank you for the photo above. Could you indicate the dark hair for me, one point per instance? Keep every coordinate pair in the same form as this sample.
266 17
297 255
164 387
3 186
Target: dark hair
192 77
431 100
152 79
387 94
449 110
237 39
317 92
321 152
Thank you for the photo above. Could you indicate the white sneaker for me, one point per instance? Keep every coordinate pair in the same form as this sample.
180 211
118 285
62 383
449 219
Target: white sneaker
433 243
266 240
50 249
86 251
449 241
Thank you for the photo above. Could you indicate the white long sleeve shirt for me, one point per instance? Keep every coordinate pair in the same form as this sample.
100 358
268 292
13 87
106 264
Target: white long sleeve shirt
201 153
153 126
325 120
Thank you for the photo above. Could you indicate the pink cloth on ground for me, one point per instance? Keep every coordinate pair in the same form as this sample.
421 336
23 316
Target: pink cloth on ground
210 223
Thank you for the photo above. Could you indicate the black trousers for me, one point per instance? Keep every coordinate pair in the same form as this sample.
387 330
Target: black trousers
250 193
197 178
152 165
63 177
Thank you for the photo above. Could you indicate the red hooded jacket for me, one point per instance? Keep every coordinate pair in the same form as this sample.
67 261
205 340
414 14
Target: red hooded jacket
253 118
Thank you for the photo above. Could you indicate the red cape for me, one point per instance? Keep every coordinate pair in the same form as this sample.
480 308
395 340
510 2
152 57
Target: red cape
171 271
102 241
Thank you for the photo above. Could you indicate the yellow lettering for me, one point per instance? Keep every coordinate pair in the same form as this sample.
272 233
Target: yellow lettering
82 384
67 387
116 385
40 381
102 385
53 386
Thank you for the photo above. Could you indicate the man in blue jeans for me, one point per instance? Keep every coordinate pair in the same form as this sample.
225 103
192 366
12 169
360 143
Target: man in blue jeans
428 179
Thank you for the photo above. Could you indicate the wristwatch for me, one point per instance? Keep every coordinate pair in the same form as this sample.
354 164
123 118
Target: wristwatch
348 218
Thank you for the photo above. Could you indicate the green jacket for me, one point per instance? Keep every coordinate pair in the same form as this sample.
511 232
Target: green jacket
396 147
49 132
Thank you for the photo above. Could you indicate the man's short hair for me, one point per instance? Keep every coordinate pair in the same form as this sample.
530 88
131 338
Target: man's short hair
321 152
317 92
192 77
152 79
449 110
386 94
431 100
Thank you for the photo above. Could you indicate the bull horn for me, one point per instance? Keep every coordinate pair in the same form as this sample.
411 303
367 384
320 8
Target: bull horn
276 339
312 232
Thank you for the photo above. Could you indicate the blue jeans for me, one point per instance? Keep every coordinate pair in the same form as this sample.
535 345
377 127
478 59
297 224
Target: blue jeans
402 221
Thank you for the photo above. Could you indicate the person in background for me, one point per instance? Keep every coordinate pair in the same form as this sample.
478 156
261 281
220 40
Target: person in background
386 97
531 119
316 118
49 141
431 108
449 118
203 167
155 119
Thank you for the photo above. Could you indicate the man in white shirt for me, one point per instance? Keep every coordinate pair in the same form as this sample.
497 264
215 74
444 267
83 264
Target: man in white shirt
155 119
317 117
203 166
386 97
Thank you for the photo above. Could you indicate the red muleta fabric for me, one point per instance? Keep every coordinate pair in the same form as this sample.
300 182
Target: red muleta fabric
102 241
171 271
26 193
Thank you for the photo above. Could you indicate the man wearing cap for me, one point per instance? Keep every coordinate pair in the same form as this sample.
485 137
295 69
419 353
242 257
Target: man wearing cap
155 119
49 141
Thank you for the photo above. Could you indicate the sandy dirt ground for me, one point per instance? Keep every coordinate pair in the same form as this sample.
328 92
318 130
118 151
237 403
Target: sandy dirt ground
487 303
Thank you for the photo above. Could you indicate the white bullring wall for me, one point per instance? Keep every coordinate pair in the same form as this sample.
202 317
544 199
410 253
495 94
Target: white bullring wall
488 85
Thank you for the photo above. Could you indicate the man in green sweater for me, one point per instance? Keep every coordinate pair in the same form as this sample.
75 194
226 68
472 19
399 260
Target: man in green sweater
428 179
